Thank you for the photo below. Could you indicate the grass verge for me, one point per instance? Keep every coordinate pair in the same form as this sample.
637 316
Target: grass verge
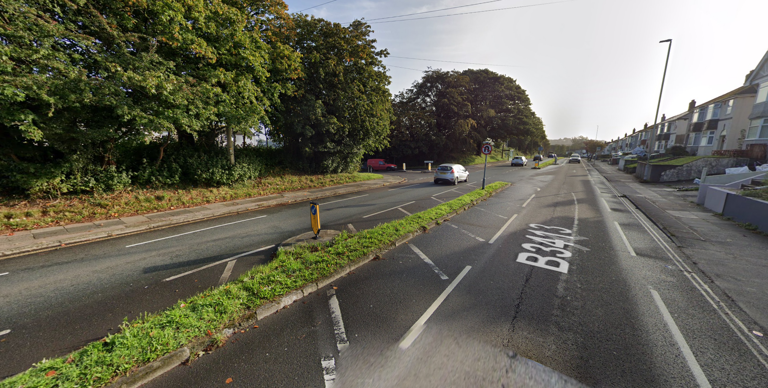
546 163
203 316
22 214
757 194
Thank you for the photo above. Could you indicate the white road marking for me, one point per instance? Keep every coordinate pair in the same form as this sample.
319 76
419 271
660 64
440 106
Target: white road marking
607 205
467 233
502 229
438 200
195 231
345 199
216 263
443 192
538 189
692 363
417 327
623 237
227 272
392 208
725 313
575 215
429 262
329 371
529 200
404 187
4 273
497 215
4 332
471 184
338 323
401 209
351 228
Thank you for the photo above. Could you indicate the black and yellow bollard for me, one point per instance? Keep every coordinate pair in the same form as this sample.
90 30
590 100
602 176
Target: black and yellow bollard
314 216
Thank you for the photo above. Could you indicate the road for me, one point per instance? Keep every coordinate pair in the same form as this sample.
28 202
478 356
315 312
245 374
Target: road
556 269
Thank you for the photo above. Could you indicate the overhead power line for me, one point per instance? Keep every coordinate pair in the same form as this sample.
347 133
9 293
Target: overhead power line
435 10
406 68
463 63
315 6
473 12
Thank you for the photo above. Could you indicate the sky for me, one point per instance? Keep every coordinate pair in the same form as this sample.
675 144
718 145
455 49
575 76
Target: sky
591 67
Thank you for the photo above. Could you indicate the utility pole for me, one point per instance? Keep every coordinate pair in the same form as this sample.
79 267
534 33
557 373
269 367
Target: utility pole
652 139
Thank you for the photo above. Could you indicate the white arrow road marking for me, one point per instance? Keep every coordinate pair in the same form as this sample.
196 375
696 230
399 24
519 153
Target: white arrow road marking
329 370
194 231
338 323
217 263
429 262
392 208
692 363
417 327
502 229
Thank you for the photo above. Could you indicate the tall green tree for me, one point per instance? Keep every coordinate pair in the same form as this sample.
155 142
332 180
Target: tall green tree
341 107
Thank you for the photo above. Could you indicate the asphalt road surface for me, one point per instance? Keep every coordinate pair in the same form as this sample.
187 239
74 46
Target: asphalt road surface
555 279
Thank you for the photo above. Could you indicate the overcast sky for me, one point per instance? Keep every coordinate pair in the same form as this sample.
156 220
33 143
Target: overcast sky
584 63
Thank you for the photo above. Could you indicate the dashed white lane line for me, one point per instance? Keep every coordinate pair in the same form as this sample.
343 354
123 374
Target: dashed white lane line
488 211
4 273
351 228
402 210
217 263
329 370
438 200
194 231
404 187
689 358
623 237
345 199
227 272
338 323
417 327
529 200
502 229
429 262
392 208
443 192
4 332
467 233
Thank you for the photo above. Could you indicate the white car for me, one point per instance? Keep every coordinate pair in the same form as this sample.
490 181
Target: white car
575 158
519 161
450 172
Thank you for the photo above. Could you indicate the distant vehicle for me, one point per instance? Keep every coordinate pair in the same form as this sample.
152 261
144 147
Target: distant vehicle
551 155
519 161
537 157
380 165
452 173
575 158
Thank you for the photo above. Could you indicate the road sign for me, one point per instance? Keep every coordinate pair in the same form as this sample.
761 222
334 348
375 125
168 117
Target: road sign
429 161
314 216
541 148
487 148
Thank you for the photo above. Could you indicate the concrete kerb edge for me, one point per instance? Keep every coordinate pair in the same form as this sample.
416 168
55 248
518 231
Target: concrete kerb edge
147 373
168 223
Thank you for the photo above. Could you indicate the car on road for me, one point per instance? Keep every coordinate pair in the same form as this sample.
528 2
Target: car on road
380 165
537 158
575 158
551 155
452 173
519 161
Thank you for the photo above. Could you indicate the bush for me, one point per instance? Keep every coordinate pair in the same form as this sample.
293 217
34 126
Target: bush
678 151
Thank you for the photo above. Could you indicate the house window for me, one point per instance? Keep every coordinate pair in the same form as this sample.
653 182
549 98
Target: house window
701 114
762 94
695 139
714 113
758 129
662 127
660 146
728 107
708 139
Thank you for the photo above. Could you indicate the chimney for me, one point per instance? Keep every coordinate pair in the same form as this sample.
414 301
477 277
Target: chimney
692 105
663 117
747 77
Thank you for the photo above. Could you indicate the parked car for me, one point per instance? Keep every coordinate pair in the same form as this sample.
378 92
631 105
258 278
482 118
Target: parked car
450 172
575 158
551 155
519 161
537 158
380 165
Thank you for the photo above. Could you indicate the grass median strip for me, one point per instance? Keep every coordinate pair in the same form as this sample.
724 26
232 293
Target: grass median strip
203 316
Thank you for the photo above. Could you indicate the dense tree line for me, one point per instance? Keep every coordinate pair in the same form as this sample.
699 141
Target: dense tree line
447 115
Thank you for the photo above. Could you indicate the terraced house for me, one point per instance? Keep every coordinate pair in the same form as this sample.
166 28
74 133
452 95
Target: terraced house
756 139
721 123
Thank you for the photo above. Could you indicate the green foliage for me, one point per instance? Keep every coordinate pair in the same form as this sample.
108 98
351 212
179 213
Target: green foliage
678 150
341 108
448 114
202 316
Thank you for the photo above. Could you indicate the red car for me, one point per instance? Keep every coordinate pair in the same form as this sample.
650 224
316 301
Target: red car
380 165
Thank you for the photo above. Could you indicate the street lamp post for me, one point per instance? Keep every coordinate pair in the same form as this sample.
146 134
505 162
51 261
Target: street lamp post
652 139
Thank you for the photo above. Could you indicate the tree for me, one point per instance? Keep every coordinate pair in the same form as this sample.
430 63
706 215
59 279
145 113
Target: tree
341 107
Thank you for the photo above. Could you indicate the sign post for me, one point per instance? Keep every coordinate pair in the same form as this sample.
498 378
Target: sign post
429 164
314 216
487 148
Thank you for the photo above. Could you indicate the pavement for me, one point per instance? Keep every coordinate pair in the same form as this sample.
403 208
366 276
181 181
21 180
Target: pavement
48 238
732 257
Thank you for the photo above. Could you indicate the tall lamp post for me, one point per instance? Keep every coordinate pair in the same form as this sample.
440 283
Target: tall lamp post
658 105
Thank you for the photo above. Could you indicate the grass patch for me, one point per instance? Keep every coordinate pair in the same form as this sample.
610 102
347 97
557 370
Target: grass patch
495 156
757 194
546 163
204 315
681 161
21 214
